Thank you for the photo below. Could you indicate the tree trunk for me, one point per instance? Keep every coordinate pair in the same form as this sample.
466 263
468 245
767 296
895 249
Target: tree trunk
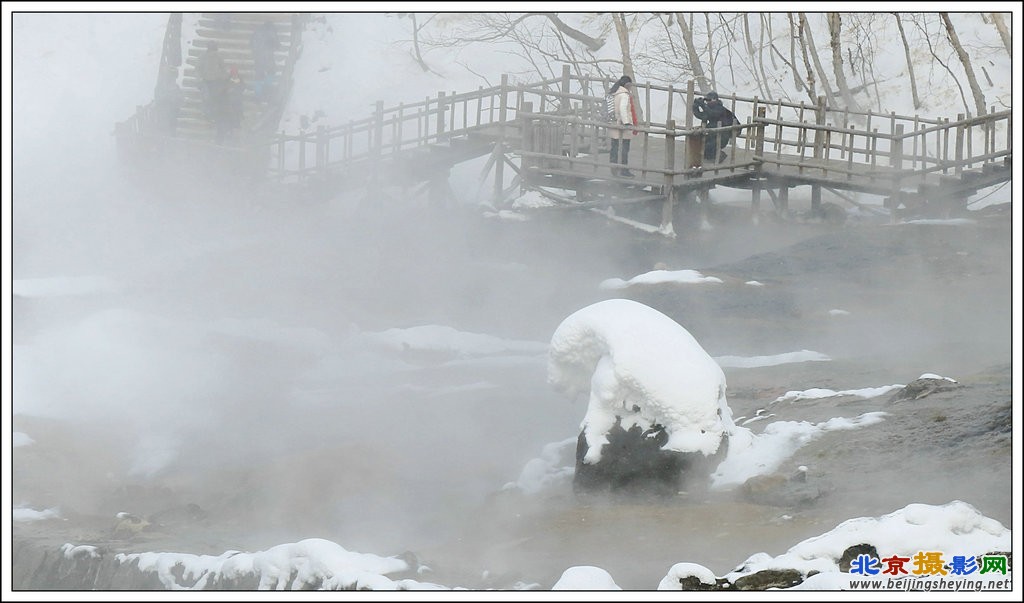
627 58
760 57
802 25
979 98
711 50
817 61
691 52
746 30
1004 33
910 63
416 44
797 80
753 58
592 44
623 35
835 25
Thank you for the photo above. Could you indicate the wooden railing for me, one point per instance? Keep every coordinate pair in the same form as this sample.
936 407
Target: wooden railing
557 120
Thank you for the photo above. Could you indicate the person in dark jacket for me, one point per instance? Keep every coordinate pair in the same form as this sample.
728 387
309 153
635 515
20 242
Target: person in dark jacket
213 75
264 43
229 117
710 110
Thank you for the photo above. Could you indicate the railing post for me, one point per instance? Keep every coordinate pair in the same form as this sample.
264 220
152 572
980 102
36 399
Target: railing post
819 139
689 104
755 200
759 140
451 113
667 208
896 158
849 156
693 151
896 162
959 143
321 149
302 156
378 142
671 93
564 107
499 146
440 115
526 126
990 134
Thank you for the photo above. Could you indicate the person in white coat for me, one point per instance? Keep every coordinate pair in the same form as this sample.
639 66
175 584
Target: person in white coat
622 133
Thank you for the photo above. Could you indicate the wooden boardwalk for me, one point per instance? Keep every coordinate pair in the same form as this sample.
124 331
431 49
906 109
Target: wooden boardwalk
548 136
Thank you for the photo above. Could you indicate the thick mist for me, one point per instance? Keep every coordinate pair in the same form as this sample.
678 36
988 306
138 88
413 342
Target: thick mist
214 342
225 358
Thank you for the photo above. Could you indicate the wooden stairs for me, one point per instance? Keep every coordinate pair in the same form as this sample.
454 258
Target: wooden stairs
231 32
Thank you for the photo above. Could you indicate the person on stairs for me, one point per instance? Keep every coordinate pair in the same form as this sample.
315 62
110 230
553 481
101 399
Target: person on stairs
622 133
264 42
213 75
230 120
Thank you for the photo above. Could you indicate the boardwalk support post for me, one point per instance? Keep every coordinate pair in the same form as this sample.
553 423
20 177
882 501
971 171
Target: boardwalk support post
693 152
819 141
564 107
959 144
755 190
668 207
440 115
526 128
895 162
499 146
378 144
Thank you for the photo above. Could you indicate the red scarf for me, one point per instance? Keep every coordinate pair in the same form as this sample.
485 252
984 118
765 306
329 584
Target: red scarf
632 110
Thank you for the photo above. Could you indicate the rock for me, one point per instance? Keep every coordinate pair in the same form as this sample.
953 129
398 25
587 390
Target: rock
925 386
633 463
778 490
189 513
855 551
128 526
694 583
772 578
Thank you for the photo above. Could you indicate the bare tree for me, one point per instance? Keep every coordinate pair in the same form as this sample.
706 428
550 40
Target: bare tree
910 62
807 63
835 24
1004 33
758 76
545 49
822 76
622 31
711 49
954 40
922 25
592 44
760 56
797 80
691 51
749 38
416 28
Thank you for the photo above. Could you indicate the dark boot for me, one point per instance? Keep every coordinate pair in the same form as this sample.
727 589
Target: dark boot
625 159
614 156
